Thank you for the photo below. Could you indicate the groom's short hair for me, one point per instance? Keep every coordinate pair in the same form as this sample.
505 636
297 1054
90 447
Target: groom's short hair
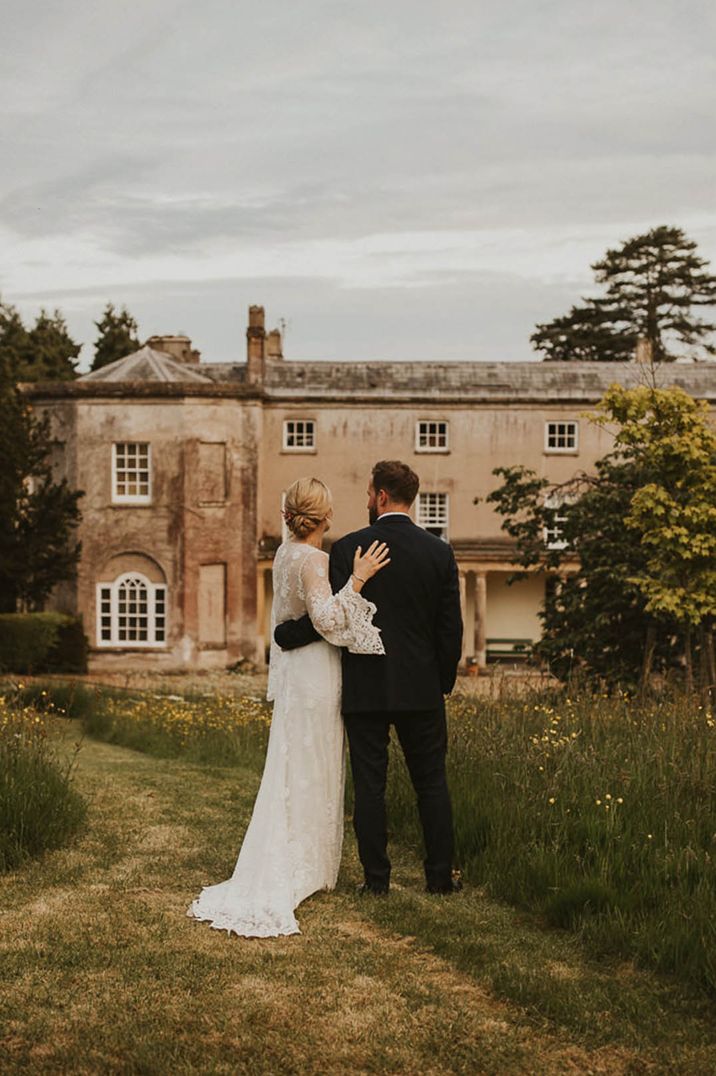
397 479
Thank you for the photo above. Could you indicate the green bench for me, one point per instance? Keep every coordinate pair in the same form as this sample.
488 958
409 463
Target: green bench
509 649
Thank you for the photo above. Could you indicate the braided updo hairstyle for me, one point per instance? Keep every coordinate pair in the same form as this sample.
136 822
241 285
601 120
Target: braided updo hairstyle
308 502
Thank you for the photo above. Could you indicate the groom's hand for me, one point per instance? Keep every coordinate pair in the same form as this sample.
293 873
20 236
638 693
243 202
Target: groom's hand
295 633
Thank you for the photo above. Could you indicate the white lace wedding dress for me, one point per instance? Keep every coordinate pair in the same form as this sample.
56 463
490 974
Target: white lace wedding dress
292 847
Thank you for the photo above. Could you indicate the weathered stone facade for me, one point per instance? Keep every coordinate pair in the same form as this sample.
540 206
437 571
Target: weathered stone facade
219 444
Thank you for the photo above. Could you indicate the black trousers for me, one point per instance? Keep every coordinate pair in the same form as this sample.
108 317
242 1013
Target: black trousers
423 738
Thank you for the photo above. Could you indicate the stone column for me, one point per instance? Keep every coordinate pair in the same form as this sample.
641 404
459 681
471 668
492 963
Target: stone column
481 618
463 609
470 615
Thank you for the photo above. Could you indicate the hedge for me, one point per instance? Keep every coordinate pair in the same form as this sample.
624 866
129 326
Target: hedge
42 642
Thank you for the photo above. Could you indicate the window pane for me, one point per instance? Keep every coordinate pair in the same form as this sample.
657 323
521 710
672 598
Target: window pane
131 477
432 434
105 618
561 435
433 513
299 433
553 531
137 619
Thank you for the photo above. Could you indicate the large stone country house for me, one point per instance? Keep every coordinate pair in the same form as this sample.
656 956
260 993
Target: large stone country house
184 465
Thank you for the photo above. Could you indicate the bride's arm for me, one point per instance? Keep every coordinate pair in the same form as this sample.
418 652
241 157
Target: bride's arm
345 618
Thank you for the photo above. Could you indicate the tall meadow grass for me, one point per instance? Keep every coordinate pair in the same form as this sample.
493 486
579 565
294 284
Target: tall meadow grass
39 808
597 813
223 729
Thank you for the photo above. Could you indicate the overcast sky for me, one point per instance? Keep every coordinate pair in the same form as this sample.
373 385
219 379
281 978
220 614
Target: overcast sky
394 179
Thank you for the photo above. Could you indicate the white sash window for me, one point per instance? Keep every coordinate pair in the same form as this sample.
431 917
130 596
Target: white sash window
553 532
131 472
431 435
561 437
299 435
131 612
432 513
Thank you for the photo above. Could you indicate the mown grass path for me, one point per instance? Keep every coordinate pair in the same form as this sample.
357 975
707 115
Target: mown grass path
101 971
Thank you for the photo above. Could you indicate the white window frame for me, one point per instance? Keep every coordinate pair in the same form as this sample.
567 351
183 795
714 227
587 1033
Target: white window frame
569 450
107 606
551 535
421 433
429 519
131 498
305 422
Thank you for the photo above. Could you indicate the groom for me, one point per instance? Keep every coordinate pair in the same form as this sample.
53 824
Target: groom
418 612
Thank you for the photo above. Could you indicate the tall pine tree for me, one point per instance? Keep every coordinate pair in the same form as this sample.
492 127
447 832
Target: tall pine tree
117 336
653 286
46 352
52 350
14 341
38 515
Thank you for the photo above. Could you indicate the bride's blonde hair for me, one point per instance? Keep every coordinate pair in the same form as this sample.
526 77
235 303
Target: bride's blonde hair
308 502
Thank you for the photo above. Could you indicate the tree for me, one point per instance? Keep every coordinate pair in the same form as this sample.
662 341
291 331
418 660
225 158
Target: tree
52 350
675 513
117 336
38 516
634 571
594 617
46 352
653 284
14 339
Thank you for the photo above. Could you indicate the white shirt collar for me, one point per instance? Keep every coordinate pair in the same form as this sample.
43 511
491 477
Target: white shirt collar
385 515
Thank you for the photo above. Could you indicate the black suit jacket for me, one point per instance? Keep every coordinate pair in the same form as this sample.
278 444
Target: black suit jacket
418 611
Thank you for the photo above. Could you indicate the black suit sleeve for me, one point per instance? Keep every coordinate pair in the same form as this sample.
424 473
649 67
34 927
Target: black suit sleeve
449 628
295 633
340 566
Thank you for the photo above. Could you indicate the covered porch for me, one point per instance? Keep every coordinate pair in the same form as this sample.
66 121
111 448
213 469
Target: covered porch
501 621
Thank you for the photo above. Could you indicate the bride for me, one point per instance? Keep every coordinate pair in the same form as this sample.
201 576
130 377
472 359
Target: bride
292 847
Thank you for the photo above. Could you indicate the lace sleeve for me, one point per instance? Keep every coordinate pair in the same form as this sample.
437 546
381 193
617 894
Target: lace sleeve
345 618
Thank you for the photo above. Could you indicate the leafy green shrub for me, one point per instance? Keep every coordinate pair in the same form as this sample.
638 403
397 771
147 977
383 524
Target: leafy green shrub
39 808
26 639
68 653
42 642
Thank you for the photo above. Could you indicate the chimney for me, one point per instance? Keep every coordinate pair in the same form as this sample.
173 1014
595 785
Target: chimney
274 345
177 347
256 345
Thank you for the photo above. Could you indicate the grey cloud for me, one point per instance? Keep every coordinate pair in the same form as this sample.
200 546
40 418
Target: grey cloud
478 316
181 129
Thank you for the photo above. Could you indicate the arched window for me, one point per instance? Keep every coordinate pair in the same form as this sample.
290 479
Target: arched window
131 612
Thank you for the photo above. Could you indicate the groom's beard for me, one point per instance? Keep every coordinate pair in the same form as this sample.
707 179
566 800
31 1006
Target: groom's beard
372 515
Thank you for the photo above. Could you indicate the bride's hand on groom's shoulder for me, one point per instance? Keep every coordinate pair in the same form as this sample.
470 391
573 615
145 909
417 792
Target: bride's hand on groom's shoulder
366 565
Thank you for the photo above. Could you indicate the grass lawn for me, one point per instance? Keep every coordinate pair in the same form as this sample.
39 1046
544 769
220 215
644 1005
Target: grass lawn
102 972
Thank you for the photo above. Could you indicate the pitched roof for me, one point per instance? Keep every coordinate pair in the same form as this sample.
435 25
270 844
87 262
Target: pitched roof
146 365
479 381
